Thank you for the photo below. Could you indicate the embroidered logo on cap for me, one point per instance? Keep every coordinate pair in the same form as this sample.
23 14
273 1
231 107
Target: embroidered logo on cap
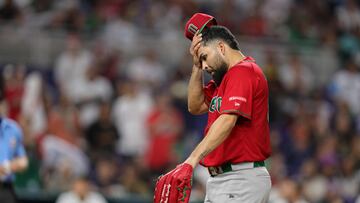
192 28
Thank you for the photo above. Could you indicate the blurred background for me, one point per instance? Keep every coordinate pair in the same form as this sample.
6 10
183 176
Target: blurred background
99 88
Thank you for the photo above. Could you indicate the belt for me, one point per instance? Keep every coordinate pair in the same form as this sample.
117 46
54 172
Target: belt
227 167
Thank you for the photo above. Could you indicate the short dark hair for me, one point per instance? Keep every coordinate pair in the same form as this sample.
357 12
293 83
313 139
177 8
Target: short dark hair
219 32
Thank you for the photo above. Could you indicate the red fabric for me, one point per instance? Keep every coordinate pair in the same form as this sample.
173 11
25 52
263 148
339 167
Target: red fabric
209 91
254 26
164 128
243 91
13 95
63 124
175 186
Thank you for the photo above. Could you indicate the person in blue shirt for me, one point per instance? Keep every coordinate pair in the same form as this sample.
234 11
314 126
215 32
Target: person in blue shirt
12 157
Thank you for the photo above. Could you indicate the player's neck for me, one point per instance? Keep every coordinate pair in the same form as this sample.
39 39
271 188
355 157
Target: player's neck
235 57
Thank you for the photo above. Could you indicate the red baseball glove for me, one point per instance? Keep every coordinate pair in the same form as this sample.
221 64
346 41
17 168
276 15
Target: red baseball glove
175 186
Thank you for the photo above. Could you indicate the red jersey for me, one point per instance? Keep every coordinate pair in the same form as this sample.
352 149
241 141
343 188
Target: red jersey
243 91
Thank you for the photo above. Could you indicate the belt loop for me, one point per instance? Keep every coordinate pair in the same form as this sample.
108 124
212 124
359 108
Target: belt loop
226 167
259 164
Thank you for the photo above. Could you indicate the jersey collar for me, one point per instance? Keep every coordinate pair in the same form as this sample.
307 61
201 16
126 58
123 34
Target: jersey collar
246 59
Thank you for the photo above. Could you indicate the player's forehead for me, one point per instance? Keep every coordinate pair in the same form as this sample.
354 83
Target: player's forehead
205 48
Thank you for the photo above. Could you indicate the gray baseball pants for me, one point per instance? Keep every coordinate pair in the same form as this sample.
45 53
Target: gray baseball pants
250 185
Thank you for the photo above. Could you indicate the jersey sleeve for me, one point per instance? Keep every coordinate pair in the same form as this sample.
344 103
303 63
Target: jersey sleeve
238 93
209 91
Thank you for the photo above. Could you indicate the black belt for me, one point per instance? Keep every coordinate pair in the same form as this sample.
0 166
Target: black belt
227 167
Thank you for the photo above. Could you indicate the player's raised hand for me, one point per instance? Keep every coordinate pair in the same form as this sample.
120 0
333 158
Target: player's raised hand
194 49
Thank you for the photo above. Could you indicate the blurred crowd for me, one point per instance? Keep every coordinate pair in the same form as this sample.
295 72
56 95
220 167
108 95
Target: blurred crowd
119 122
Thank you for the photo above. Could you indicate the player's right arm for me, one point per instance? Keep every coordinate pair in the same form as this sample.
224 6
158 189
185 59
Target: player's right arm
196 97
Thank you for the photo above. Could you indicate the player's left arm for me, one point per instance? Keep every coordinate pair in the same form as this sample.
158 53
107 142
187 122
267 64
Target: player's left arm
217 133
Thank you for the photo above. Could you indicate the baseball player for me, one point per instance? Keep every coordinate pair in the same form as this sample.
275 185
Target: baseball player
236 141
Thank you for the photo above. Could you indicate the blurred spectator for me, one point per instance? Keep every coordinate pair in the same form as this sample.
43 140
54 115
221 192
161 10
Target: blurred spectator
343 124
271 66
327 156
10 12
296 145
68 16
89 92
106 176
71 66
287 191
130 111
179 81
254 24
59 148
349 46
230 18
167 15
32 107
63 122
348 15
164 124
322 112
120 34
110 61
314 183
291 191
109 9
42 5
329 35
62 163
102 135
201 176
275 13
295 76
14 77
349 180
333 194
132 182
271 71
81 193
303 28
147 70
347 86
277 168
355 150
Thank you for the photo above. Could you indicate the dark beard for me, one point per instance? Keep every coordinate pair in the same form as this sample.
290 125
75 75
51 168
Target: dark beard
219 73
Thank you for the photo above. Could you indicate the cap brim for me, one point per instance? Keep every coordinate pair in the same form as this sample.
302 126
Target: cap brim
205 24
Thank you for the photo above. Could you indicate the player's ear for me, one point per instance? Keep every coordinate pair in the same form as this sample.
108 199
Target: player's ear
221 47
